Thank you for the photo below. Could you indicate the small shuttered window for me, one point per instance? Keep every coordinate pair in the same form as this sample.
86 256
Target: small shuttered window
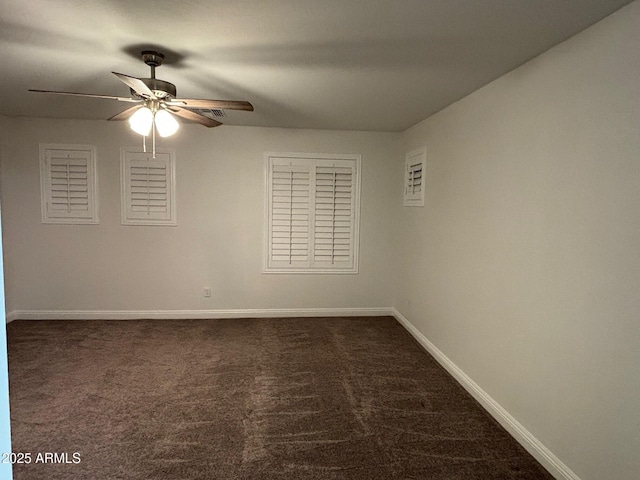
312 213
148 187
414 178
68 183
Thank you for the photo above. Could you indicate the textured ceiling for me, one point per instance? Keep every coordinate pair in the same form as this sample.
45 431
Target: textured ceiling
379 65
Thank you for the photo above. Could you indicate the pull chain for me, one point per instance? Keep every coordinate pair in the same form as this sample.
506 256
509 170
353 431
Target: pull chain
153 138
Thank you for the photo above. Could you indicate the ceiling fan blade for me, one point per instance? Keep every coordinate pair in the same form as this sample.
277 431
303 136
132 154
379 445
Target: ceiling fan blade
125 114
194 117
90 95
211 104
137 85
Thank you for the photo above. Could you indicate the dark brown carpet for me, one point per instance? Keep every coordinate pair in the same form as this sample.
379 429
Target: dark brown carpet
304 398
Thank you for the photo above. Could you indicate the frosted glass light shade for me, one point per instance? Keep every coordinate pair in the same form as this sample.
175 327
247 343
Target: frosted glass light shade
166 124
141 121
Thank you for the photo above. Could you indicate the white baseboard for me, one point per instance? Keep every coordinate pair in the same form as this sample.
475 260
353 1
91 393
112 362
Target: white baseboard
193 314
541 453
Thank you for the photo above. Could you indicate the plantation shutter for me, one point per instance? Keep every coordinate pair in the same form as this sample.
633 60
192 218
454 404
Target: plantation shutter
68 181
289 222
414 178
334 214
148 186
312 213
414 186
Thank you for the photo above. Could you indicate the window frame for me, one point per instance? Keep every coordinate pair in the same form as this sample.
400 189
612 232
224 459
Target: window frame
125 196
48 215
313 160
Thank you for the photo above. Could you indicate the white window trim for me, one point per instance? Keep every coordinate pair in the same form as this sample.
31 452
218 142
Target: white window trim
354 268
415 157
126 220
92 185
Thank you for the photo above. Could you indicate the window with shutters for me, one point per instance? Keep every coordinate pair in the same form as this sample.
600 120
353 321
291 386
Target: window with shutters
68 181
313 203
414 178
148 187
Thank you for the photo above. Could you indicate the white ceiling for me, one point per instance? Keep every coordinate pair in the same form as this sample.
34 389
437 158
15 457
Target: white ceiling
379 65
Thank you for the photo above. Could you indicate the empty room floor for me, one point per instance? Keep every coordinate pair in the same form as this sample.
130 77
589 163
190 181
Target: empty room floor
295 398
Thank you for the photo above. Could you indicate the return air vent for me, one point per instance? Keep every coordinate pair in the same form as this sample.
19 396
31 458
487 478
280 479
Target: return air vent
213 113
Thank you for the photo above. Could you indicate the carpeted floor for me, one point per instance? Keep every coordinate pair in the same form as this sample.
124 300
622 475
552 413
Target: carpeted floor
301 399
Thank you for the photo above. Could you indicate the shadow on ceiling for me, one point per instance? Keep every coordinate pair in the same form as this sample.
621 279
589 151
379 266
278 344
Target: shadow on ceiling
171 57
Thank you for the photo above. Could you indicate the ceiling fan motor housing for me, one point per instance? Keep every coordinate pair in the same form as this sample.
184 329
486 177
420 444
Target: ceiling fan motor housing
160 88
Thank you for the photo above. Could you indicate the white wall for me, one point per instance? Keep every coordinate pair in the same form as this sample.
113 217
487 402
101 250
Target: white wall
218 242
524 265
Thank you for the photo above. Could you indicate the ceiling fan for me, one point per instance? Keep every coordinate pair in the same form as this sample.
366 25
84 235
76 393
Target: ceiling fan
156 102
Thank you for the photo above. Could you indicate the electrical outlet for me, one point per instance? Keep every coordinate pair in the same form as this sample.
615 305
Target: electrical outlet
207 292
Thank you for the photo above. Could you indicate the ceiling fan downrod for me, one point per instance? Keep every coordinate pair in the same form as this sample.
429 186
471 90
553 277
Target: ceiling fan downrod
153 59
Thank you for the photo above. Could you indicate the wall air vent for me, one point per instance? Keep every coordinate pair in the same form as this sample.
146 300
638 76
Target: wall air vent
213 113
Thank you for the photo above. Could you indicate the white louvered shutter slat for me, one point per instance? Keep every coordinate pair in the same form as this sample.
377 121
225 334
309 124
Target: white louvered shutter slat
334 219
414 178
149 193
289 214
69 183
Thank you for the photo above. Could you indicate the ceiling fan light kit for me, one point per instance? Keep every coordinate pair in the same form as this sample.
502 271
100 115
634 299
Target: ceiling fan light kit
157 105
166 124
141 121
